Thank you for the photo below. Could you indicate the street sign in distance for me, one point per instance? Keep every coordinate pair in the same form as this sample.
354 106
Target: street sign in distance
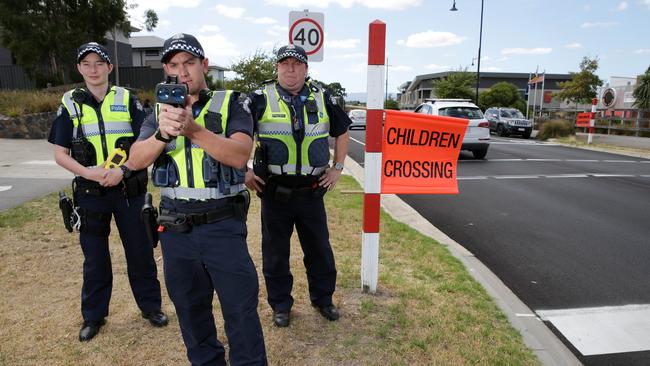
307 30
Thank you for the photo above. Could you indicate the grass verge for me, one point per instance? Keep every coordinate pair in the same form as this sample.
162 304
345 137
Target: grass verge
428 310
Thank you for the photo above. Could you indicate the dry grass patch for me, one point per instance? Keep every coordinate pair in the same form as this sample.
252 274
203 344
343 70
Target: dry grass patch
428 310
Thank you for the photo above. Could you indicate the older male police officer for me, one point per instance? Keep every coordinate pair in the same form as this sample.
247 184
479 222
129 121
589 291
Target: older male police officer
91 123
200 151
291 173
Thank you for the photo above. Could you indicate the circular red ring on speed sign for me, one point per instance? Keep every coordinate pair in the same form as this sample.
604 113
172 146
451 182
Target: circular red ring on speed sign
322 38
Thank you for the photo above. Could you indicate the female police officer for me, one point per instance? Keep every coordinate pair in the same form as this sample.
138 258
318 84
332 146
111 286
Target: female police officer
92 122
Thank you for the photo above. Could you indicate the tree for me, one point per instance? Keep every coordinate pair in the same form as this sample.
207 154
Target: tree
252 71
502 94
458 84
642 91
335 89
582 86
43 35
391 103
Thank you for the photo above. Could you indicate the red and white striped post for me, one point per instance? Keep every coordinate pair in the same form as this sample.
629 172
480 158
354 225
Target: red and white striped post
592 121
372 158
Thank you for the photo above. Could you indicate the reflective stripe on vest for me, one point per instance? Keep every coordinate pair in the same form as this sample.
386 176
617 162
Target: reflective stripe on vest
177 150
114 112
275 124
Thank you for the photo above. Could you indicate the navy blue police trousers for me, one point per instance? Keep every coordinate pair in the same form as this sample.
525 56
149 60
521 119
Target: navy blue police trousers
97 269
308 215
214 257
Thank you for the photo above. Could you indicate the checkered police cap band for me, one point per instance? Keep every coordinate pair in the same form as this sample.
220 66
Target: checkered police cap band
294 51
93 47
182 42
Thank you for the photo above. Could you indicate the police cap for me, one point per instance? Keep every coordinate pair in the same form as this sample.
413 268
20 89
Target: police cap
181 42
95 47
292 50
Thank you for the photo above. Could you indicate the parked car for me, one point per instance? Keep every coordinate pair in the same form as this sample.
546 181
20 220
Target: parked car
508 121
477 136
358 117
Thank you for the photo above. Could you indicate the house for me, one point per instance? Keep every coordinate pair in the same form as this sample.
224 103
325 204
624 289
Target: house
412 93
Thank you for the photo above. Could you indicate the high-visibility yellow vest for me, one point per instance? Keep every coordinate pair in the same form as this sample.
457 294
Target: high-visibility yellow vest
101 129
284 154
190 172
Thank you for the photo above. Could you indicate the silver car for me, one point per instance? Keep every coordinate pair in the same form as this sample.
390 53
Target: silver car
358 117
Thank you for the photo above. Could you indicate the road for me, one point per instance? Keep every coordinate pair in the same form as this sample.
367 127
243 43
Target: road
27 171
566 230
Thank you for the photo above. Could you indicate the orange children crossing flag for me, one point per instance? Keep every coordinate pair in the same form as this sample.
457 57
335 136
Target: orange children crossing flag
420 153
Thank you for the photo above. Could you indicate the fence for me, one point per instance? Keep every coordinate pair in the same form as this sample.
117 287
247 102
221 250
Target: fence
629 122
14 77
140 77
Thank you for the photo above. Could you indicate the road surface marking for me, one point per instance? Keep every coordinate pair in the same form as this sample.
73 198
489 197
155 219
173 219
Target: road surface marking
603 330
4 188
39 162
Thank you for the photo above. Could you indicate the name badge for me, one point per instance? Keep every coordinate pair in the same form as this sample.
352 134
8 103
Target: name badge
118 108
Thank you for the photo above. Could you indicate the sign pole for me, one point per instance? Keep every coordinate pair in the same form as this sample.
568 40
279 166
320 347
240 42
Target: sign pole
592 121
372 157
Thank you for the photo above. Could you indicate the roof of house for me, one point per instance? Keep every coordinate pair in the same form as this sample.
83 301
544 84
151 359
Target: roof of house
500 75
146 42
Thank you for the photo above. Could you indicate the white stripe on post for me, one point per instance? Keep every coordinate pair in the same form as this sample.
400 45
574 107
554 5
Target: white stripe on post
372 180
370 261
592 121
375 97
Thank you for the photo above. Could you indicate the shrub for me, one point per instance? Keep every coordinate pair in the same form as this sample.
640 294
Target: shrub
555 128
18 102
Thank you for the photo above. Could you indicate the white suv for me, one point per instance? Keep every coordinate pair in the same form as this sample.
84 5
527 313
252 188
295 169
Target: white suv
477 136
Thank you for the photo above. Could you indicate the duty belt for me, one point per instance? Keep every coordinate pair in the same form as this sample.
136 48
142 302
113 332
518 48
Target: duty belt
182 222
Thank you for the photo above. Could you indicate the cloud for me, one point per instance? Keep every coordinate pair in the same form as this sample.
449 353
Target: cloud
357 68
348 56
642 50
491 68
622 6
430 39
598 24
343 43
646 2
218 46
262 20
372 4
435 67
162 5
273 33
229 11
573 45
400 68
209 29
526 51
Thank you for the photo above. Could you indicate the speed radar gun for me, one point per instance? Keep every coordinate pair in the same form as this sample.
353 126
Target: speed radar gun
171 92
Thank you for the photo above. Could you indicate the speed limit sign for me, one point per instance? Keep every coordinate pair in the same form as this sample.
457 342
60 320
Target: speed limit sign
307 31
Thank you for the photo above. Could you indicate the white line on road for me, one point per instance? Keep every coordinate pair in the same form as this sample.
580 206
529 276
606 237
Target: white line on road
577 175
515 176
39 162
600 175
472 178
4 188
357 141
567 176
603 330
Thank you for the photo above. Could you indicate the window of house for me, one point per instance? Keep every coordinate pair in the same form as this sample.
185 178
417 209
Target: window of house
151 53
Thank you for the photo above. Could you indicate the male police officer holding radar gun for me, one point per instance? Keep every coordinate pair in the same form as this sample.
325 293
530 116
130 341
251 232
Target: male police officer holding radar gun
200 143
291 172
92 133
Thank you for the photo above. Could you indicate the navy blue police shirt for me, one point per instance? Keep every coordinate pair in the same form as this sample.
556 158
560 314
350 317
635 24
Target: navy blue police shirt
239 120
339 120
62 126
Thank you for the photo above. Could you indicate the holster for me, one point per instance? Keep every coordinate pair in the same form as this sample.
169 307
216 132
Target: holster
149 216
260 162
94 223
136 184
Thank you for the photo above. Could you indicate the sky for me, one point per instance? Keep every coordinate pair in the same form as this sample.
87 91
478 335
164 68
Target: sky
423 37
